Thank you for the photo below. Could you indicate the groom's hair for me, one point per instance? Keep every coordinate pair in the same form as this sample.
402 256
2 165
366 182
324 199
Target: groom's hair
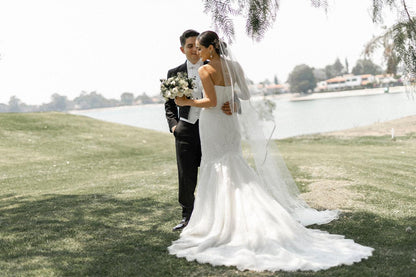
187 34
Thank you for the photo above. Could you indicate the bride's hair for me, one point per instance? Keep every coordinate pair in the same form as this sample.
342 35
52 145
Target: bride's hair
208 38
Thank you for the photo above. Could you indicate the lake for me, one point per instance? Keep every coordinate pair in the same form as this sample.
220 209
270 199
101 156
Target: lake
292 117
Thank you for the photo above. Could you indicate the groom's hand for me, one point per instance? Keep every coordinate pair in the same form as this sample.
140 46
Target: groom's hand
180 101
226 108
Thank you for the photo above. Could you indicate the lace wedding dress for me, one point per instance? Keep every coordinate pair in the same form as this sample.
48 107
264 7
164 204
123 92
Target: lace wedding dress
235 221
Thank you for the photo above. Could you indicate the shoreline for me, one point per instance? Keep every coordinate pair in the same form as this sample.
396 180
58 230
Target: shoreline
294 97
285 96
395 128
112 108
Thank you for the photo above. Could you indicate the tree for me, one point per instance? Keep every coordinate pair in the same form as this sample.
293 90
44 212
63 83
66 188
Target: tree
58 103
261 14
335 69
15 104
301 79
338 67
396 48
392 63
357 69
92 100
329 71
398 41
347 66
266 82
127 98
144 98
366 66
320 74
276 81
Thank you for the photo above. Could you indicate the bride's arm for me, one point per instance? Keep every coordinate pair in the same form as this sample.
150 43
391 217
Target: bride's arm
210 98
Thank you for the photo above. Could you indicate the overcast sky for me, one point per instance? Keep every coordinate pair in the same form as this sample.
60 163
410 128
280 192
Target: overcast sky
116 46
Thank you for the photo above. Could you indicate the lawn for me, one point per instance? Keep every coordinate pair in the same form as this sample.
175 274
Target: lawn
82 197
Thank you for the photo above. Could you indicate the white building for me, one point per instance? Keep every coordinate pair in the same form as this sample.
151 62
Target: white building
348 81
367 79
335 83
352 81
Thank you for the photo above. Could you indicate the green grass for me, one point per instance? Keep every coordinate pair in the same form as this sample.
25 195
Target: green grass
81 197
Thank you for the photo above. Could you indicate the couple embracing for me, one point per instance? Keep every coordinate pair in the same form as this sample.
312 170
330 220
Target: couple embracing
251 218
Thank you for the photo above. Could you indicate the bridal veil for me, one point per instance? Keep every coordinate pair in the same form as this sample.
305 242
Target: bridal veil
269 164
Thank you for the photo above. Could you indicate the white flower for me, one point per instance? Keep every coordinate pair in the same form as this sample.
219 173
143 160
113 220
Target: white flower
176 86
188 91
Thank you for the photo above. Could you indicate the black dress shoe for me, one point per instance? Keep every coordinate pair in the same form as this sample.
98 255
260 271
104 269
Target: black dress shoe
181 224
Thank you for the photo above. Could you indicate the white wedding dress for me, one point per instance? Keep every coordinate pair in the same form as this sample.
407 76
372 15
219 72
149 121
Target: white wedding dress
235 221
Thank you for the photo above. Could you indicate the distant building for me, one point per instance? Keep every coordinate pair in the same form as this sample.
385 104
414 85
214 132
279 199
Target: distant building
345 82
385 79
367 80
335 83
321 86
352 81
277 88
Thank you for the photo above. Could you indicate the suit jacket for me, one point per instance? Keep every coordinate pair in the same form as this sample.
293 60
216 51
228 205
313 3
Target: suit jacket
171 110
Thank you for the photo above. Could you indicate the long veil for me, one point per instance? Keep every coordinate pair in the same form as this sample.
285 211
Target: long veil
269 164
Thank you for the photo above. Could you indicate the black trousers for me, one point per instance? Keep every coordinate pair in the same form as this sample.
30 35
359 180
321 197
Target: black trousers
188 157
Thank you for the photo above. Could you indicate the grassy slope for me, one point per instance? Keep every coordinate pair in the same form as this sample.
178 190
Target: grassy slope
83 197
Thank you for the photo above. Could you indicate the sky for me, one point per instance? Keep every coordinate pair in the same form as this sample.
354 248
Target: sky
115 46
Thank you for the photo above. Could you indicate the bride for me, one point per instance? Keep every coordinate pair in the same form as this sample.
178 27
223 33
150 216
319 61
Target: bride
249 218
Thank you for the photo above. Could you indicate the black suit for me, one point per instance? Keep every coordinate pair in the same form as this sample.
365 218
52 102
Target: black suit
188 148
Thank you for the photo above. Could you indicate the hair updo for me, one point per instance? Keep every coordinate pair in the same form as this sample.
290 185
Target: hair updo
208 38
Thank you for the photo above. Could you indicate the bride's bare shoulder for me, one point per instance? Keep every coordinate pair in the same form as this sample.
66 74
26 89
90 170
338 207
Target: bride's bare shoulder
207 67
205 72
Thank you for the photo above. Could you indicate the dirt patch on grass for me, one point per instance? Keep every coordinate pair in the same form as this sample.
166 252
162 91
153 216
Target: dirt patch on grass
332 194
328 190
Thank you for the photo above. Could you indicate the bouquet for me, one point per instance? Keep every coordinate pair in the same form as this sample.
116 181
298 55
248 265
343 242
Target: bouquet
177 86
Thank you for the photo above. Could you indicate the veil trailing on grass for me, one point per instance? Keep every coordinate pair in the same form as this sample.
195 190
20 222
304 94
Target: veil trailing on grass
269 164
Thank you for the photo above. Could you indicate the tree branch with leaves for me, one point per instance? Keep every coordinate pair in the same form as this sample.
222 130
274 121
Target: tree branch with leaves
398 41
260 16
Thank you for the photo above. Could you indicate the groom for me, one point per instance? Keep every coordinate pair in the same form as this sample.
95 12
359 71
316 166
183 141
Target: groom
183 123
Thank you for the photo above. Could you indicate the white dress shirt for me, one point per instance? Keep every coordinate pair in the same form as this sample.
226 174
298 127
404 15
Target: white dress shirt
197 92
